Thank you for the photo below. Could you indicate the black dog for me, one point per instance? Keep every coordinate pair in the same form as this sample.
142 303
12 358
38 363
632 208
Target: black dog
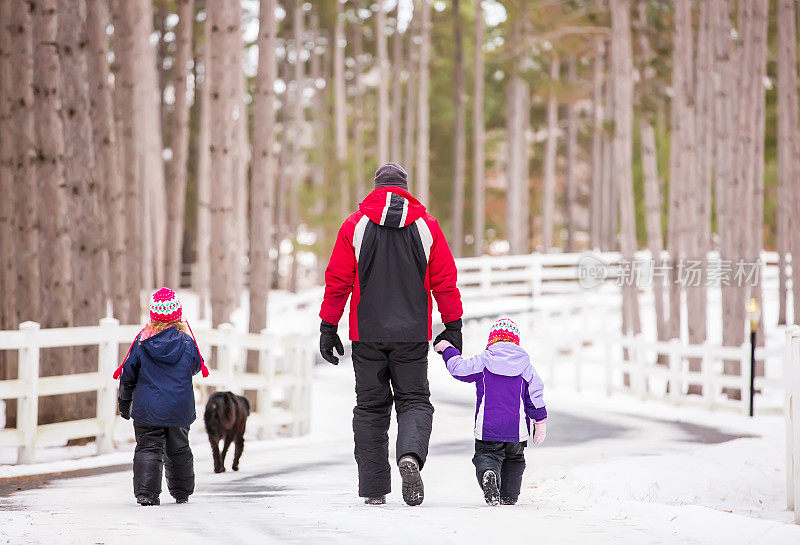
226 417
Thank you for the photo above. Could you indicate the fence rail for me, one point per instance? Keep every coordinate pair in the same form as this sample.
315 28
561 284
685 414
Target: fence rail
282 381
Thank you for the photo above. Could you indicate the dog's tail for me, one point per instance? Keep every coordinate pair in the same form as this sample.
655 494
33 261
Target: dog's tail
246 405
229 411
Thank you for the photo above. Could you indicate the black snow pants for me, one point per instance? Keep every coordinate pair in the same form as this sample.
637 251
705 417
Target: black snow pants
156 446
387 372
506 459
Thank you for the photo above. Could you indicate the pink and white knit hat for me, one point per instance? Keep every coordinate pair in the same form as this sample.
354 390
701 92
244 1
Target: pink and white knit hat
165 306
504 330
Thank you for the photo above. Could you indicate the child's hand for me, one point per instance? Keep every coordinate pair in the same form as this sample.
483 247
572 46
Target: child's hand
441 345
540 432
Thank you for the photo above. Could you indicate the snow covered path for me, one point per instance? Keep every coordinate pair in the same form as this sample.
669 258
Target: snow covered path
611 471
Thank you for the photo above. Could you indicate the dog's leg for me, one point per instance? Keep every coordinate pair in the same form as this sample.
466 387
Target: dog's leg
237 453
219 467
227 444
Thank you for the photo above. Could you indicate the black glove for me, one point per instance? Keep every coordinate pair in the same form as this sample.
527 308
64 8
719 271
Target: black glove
451 334
125 409
328 340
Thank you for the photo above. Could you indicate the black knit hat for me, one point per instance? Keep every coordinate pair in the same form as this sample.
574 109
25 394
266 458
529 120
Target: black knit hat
391 174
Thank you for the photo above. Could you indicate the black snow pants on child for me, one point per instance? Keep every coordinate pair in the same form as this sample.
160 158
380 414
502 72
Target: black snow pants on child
387 372
506 459
155 447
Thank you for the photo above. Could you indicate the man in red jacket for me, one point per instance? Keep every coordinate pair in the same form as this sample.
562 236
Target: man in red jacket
388 258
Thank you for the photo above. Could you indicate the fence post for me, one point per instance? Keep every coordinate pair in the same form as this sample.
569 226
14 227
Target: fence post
28 404
675 364
795 415
486 275
266 368
609 366
536 277
709 392
107 353
225 359
744 375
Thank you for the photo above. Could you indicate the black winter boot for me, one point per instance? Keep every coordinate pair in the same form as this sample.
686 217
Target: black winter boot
491 492
147 500
505 500
377 500
413 489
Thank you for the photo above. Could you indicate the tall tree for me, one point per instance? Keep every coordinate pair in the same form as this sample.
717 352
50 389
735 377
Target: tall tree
423 115
124 16
85 189
460 129
176 183
411 63
608 206
262 204
548 197
597 142
622 63
397 89
384 113
479 135
225 19
202 277
107 162
340 109
21 119
298 120
788 154
358 123
572 151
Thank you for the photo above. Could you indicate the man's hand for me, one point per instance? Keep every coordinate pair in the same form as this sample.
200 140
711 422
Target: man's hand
125 409
328 340
451 334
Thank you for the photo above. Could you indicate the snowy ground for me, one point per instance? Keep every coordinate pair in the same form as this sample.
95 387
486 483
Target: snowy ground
611 471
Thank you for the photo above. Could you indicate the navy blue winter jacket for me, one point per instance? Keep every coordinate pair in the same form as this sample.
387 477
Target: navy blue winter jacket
158 377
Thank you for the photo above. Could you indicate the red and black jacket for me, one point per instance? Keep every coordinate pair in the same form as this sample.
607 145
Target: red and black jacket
391 255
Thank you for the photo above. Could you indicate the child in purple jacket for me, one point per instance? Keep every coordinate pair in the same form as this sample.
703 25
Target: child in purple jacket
509 397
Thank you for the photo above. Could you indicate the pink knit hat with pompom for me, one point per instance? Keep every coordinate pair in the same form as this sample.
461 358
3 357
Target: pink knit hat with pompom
504 330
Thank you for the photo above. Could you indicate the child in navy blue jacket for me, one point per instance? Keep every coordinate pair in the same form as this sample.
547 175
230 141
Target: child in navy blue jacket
157 380
509 400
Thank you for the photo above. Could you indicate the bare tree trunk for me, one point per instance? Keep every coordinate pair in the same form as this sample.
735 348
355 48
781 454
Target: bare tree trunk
383 83
397 88
788 155
460 129
262 205
608 205
21 119
8 264
652 196
340 110
411 63
548 197
423 116
54 212
125 14
85 190
225 20
107 162
572 145
623 163
298 120
358 124
479 136
176 182
517 113
597 143
202 280
682 171
240 158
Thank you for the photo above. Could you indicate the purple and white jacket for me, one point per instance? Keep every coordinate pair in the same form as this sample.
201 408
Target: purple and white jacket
509 391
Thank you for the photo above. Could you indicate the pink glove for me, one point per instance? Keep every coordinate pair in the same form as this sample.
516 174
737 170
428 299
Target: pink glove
441 345
540 432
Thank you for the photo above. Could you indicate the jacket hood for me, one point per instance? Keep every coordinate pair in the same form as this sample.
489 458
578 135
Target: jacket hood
167 346
391 207
507 359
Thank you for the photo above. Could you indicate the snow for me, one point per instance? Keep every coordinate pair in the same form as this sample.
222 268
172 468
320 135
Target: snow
612 470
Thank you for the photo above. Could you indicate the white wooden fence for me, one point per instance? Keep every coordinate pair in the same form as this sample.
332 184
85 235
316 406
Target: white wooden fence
791 369
282 382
